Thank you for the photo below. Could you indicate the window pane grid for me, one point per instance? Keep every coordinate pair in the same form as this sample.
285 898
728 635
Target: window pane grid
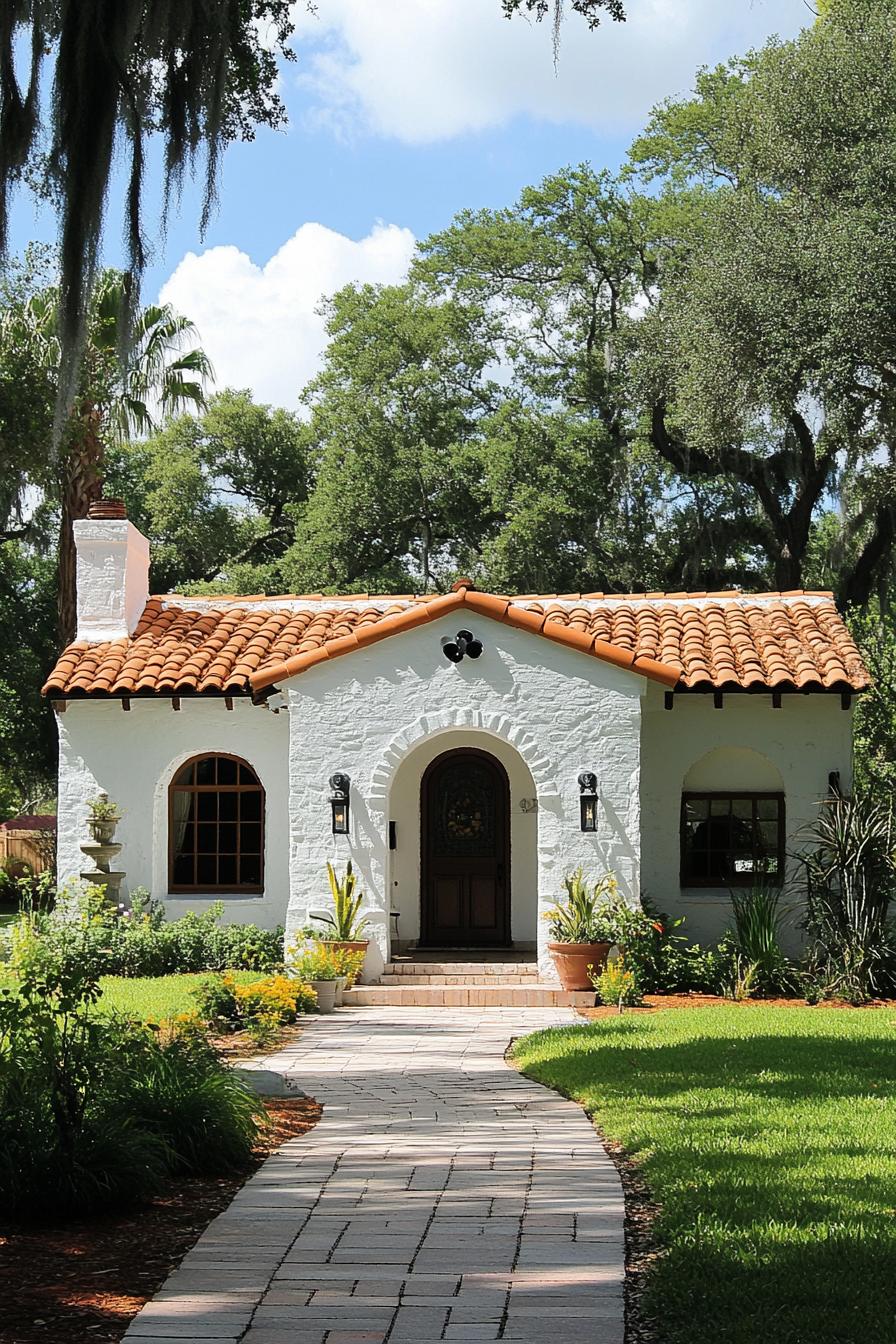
216 827
732 839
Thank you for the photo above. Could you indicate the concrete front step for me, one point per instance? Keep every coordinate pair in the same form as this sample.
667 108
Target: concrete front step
468 996
528 969
419 978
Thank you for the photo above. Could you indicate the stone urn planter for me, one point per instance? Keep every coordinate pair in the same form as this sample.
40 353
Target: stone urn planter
102 819
326 994
340 989
102 829
572 961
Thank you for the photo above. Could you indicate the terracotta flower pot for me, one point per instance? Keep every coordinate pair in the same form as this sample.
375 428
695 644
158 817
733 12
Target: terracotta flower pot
360 945
573 959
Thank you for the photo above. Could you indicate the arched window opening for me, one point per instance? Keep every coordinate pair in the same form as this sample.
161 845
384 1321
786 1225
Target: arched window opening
216 827
732 821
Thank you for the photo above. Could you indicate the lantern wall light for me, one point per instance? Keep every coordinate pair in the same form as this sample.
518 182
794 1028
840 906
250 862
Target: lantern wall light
588 800
340 787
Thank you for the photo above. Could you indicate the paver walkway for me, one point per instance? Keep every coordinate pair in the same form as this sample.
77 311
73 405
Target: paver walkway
441 1197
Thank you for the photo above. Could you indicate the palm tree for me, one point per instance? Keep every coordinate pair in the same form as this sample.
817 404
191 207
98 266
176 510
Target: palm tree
129 380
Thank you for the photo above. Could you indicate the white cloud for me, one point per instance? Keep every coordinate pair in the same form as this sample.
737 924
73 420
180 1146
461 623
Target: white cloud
258 323
426 70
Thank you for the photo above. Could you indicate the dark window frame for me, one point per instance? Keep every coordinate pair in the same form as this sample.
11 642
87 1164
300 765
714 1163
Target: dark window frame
734 795
204 888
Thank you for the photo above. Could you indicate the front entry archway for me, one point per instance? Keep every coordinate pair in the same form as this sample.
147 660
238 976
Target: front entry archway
465 851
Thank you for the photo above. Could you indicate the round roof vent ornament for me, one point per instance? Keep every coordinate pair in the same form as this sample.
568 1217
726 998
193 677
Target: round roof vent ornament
463 645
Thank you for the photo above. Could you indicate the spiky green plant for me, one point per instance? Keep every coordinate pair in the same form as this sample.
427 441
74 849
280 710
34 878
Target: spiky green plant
851 883
757 938
590 914
346 922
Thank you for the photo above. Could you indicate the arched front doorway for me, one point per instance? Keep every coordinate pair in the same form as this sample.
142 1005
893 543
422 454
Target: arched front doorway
465 851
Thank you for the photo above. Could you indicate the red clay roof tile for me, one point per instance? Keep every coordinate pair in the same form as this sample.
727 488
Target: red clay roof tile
241 645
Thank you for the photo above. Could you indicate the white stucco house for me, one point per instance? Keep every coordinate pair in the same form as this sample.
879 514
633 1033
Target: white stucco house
681 740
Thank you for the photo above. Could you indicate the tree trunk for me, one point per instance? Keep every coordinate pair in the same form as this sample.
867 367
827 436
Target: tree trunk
859 582
82 483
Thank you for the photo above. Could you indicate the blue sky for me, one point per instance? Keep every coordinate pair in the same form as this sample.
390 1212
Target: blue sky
403 112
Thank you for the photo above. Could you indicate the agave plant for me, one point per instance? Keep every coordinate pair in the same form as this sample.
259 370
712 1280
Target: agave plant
346 922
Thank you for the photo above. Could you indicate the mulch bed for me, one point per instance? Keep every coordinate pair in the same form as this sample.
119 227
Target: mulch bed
84 1281
654 1002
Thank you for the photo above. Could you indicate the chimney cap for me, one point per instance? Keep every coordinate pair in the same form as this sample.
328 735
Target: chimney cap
107 508
461 584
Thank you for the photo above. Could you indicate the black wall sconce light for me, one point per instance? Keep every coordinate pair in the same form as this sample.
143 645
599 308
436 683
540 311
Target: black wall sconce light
340 786
462 645
588 801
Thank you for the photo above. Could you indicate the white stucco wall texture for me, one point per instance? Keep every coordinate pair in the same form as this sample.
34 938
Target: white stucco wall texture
746 745
382 713
134 756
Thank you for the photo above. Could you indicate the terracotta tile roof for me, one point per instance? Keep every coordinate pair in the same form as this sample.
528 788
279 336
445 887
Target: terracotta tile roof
701 641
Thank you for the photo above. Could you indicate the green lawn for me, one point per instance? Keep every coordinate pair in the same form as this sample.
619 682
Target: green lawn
153 998
157 998
768 1136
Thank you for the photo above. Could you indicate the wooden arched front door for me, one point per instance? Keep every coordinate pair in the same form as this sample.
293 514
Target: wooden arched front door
465 851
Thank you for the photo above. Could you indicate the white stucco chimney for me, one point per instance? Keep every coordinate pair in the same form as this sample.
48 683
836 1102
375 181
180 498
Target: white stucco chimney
112 572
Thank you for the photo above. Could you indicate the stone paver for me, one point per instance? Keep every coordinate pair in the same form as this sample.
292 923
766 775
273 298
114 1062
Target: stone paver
441 1197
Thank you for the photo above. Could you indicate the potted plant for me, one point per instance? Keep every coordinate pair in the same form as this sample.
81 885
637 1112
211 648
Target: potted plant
349 963
346 923
318 967
583 928
104 817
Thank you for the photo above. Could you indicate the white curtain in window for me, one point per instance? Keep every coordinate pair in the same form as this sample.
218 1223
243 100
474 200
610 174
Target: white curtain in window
180 815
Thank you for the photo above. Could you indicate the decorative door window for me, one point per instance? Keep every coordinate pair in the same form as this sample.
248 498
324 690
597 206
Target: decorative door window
465 810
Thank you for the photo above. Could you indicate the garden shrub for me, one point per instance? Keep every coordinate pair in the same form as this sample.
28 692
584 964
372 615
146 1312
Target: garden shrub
663 961
215 997
23 889
616 984
350 963
270 1003
315 961
279 996
246 947
96 1111
12 872
140 942
177 1088
760 966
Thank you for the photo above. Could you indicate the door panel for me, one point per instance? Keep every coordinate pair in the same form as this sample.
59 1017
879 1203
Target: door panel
465 859
447 904
484 902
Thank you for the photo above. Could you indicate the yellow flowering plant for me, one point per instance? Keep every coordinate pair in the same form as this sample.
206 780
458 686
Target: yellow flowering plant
230 1005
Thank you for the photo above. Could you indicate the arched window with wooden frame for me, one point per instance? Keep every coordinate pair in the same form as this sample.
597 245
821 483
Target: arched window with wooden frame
216 827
